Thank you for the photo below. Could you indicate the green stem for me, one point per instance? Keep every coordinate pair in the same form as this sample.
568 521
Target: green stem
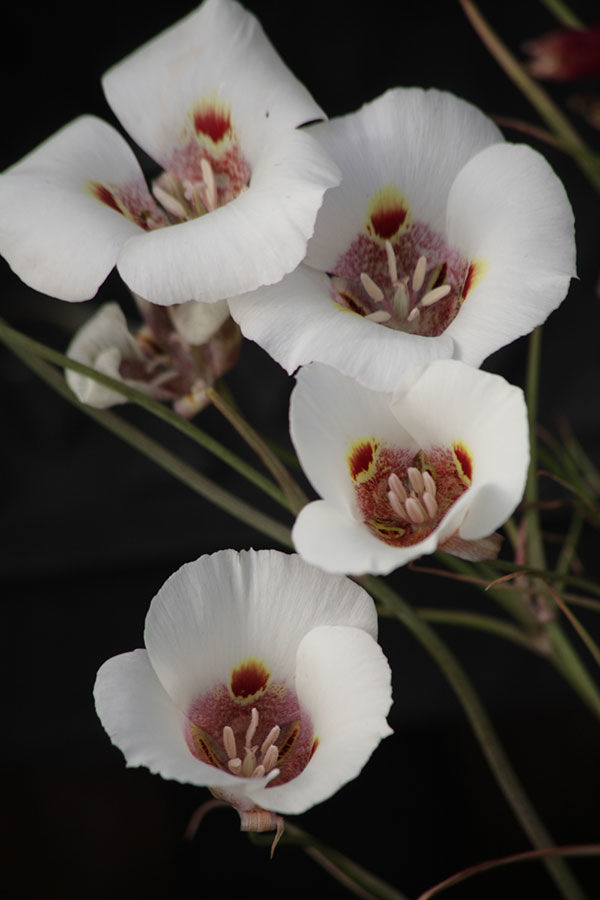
356 879
163 457
295 496
534 547
483 729
489 624
15 340
563 14
535 93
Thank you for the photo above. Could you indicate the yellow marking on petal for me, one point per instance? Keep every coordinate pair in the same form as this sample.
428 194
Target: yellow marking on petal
248 679
386 531
476 271
388 215
361 459
463 459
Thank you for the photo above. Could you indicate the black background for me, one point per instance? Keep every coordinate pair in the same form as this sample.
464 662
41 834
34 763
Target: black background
90 530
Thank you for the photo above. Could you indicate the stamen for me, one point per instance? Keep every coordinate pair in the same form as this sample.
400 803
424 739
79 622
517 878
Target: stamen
419 273
270 758
251 728
396 505
416 480
169 202
414 314
372 289
430 504
235 765
270 739
249 763
414 510
436 294
229 742
258 772
397 487
379 316
211 185
430 485
391 262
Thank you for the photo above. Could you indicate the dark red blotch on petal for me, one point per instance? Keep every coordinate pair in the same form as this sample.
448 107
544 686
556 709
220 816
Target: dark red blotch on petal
465 461
250 678
387 221
213 123
468 281
361 458
105 196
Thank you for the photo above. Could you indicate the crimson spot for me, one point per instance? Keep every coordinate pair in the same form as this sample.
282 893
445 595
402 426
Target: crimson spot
213 123
105 196
468 280
249 678
361 458
387 221
464 460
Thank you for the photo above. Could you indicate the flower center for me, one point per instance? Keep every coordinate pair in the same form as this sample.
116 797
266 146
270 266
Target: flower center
402 497
415 283
274 731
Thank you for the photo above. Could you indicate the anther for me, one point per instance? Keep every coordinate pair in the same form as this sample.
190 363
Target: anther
229 742
258 772
396 486
436 294
391 262
211 185
396 505
416 480
414 314
251 727
372 289
379 316
414 510
270 758
419 273
430 485
430 504
169 202
235 765
270 739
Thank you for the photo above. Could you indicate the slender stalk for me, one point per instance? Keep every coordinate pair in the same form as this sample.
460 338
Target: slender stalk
15 340
534 549
488 624
483 729
575 850
563 14
354 878
535 93
295 496
163 457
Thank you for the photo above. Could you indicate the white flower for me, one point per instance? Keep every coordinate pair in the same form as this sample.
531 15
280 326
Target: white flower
175 356
441 463
261 679
211 102
441 240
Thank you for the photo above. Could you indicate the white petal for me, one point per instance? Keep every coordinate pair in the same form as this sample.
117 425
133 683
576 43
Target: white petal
412 139
102 343
340 543
144 723
450 402
297 322
197 322
508 210
344 681
55 233
328 414
254 240
221 609
218 52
